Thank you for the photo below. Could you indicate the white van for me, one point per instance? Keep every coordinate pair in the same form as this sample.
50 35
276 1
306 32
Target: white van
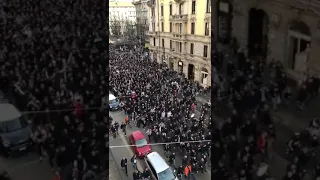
14 130
114 103
160 170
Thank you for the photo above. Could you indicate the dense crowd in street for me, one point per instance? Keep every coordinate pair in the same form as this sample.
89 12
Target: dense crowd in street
251 89
163 102
53 62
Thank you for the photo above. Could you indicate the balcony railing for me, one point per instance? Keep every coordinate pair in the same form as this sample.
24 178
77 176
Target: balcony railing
151 3
179 36
180 1
180 17
151 33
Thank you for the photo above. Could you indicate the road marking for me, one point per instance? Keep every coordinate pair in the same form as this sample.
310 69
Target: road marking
12 169
130 151
116 113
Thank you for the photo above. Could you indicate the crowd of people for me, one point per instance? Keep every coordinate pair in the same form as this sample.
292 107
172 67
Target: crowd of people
164 103
250 89
53 65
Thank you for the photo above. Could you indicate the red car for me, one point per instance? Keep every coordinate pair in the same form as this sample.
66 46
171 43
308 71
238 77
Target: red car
141 147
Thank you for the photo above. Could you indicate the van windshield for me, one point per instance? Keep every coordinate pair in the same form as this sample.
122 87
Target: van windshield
13 125
113 101
166 175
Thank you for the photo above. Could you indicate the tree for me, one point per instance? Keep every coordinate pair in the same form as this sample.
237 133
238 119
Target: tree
115 26
129 30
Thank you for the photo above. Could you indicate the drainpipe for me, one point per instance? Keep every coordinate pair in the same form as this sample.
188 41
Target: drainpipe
157 4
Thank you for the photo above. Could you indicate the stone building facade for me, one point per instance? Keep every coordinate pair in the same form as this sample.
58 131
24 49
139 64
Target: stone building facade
179 35
288 31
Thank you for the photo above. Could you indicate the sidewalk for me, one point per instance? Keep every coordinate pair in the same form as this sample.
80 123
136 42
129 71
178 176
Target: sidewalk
114 173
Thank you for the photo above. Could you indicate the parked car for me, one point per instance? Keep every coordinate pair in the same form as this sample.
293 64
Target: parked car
14 130
141 146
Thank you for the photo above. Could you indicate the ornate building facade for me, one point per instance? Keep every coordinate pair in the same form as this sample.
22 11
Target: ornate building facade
179 35
288 31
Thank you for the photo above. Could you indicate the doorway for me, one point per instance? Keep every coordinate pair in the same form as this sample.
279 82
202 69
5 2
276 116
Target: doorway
180 67
191 72
171 64
258 33
299 37
204 77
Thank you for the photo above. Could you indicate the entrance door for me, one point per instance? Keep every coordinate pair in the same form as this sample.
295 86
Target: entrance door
180 67
257 33
293 51
191 72
298 44
171 64
204 77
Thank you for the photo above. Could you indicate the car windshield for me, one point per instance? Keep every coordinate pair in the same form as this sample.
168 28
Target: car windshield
13 125
113 101
166 175
141 142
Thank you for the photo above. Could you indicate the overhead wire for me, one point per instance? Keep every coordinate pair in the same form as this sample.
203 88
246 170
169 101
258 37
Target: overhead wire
156 144
150 125
60 110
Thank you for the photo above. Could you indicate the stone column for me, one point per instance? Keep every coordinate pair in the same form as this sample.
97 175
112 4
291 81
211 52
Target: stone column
185 68
197 72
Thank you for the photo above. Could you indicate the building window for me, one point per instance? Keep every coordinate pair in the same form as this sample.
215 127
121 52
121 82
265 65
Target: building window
180 28
193 7
170 27
208 8
180 8
192 28
162 42
162 27
154 41
207 29
191 48
162 11
152 12
170 44
180 47
205 51
170 9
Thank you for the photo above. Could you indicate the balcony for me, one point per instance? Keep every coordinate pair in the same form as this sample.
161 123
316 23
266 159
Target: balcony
180 17
151 3
136 2
178 36
180 1
151 33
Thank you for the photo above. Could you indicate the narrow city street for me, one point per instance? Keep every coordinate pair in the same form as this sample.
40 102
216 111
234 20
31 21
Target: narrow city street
119 152
26 166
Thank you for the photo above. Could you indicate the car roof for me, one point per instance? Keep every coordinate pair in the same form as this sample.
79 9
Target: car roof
8 112
157 162
137 135
111 97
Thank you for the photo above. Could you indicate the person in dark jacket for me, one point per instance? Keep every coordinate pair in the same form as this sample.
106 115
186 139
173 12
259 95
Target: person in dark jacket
124 164
136 175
